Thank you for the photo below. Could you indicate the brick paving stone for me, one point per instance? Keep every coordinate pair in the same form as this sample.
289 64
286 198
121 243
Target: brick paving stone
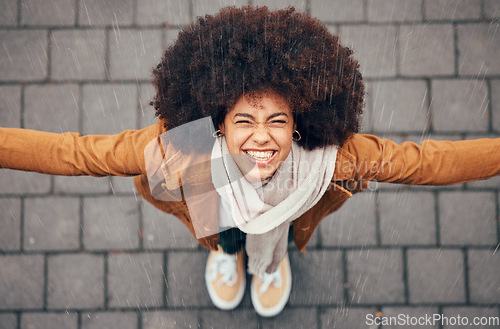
396 138
407 218
75 281
135 280
169 319
338 11
110 223
436 276
342 227
51 223
78 54
410 317
484 282
347 318
51 108
239 318
298 318
467 218
10 106
299 5
186 279
109 320
367 120
394 10
478 48
81 184
133 54
450 317
24 55
426 50
168 12
374 47
21 282
398 105
332 29
375 276
49 320
311 293
122 185
155 12
20 182
54 12
434 136
491 8
487 183
111 12
210 7
495 104
317 278
480 135
163 230
385 187
8 321
10 217
452 10
313 242
8 16
170 37
146 112
459 105
439 188
109 108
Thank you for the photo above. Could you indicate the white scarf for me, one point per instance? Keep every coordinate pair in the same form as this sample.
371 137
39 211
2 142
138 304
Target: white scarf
297 185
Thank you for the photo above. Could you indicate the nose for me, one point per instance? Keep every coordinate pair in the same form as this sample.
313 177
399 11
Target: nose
261 135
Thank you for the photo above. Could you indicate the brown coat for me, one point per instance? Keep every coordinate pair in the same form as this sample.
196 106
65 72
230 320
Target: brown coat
362 158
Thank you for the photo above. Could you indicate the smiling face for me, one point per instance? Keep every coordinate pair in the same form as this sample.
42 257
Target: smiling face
258 133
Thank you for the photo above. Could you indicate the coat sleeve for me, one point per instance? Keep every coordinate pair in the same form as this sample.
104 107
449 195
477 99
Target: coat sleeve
71 154
431 163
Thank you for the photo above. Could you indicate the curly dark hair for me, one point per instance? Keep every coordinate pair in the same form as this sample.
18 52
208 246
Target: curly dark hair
251 49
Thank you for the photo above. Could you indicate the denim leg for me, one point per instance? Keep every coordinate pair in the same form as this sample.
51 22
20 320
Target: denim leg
232 240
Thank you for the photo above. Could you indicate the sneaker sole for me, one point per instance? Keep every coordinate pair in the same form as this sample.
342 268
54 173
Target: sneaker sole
222 304
275 310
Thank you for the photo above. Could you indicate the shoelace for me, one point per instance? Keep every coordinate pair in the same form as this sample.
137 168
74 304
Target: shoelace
226 265
268 279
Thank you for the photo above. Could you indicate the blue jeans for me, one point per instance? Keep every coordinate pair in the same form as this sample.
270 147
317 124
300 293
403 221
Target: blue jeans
233 240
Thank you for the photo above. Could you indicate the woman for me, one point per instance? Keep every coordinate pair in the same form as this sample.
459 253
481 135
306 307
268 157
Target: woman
256 142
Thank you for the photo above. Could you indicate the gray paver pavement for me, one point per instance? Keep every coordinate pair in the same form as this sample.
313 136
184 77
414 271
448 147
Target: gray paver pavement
87 253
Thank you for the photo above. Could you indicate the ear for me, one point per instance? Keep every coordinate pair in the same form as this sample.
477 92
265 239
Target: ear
221 127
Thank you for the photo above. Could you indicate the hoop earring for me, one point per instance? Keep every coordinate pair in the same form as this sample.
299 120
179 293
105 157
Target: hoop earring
218 133
298 138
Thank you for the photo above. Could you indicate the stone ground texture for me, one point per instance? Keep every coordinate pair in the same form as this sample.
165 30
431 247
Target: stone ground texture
87 253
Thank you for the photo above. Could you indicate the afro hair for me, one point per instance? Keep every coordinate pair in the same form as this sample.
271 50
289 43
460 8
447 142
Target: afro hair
241 51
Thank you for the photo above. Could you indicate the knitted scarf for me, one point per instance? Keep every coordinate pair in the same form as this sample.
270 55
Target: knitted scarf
297 185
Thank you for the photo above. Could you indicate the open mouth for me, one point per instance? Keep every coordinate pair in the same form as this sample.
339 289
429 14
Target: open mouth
261 156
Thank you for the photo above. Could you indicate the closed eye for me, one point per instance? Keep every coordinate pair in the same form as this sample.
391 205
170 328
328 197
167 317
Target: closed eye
278 123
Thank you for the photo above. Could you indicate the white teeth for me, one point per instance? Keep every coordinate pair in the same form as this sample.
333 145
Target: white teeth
260 155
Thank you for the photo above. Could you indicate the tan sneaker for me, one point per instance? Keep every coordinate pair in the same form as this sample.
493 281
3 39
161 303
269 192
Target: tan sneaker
225 278
270 293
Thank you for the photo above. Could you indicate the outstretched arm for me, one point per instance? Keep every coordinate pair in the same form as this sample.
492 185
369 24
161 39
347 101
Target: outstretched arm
72 154
431 163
